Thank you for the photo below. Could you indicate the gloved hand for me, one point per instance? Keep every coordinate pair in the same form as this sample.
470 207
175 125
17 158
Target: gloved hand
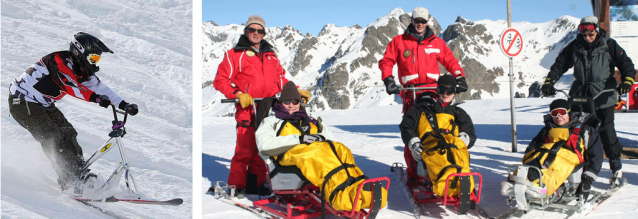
305 95
103 100
245 100
417 148
309 139
131 108
625 87
548 87
391 86
461 84
465 138
585 186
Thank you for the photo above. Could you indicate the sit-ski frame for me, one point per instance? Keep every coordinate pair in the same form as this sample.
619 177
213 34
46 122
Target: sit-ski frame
123 167
563 203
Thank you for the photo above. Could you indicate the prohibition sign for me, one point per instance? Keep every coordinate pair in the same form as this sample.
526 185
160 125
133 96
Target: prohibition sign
511 42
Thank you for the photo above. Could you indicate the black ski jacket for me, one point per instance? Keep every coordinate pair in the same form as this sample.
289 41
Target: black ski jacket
594 66
411 118
593 147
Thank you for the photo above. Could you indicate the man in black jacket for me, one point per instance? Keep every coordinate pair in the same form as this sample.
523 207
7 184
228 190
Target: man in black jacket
441 102
594 57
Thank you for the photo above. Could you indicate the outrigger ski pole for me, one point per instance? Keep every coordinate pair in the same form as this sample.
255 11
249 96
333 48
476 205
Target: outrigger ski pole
132 193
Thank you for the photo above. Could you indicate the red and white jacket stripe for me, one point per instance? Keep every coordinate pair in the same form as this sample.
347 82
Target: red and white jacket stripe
242 69
418 62
53 77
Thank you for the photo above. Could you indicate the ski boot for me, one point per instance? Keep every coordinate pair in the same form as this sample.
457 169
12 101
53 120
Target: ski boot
88 183
617 179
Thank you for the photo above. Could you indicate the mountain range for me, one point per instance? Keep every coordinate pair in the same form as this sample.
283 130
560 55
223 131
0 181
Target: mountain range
340 65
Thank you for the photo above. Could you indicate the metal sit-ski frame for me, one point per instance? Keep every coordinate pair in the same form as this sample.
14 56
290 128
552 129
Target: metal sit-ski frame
118 131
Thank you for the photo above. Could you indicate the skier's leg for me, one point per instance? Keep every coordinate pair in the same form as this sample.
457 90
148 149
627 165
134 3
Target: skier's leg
242 157
74 156
608 137
37 121
257 166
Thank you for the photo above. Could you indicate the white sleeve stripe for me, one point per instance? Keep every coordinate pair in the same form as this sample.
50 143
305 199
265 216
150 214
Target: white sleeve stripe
231 65
77 93
240 57
101 88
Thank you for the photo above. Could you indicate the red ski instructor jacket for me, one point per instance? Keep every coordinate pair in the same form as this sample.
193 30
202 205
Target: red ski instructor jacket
258 74
418 61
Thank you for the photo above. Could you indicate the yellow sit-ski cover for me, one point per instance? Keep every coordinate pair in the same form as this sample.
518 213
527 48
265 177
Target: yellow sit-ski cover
564 161
444 157
318 159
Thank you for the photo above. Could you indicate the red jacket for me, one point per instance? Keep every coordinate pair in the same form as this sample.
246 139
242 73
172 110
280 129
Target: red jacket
56 75
418 62
258 74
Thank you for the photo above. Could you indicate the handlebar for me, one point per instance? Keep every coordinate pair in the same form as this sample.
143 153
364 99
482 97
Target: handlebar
414 89
257 100
417 88
562 91
118 124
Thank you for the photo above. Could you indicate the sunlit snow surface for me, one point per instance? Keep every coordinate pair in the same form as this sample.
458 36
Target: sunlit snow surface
151 67
374 138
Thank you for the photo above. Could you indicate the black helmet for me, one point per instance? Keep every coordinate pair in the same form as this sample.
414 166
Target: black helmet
87 50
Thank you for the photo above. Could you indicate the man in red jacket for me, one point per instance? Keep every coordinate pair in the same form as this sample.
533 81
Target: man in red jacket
251 69
417 52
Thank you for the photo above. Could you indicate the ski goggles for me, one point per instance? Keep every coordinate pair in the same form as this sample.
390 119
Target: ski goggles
448 90
93 58
252 30
559 112
586 28
295 102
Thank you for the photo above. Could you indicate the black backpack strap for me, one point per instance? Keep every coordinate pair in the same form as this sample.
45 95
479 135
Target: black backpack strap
458 170
262 110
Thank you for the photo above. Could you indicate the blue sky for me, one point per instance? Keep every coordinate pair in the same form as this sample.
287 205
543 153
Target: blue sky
311 16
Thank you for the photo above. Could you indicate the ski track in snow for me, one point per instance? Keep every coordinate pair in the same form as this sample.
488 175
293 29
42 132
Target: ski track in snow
151 67
373 136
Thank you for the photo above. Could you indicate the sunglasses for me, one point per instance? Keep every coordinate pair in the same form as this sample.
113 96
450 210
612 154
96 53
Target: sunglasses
295 102
448 90
252 30
590 35
93 58
420 21
559 112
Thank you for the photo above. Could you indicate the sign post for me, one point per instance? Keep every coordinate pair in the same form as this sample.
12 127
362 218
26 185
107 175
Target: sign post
512 45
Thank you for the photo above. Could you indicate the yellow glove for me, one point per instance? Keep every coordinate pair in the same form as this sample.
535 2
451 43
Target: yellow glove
305 95
245 99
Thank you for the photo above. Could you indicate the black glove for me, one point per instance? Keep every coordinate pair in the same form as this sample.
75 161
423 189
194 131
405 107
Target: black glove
548 88
103 100
131 108
308 139
391 86
461 84
625 87
585 186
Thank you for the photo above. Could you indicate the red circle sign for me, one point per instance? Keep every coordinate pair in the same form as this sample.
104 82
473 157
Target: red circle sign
511 42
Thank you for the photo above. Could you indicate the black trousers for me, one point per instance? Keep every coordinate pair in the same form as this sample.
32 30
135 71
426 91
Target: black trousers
608 137
55 134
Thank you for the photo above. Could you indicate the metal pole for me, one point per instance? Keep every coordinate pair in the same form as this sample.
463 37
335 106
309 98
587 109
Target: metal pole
509 24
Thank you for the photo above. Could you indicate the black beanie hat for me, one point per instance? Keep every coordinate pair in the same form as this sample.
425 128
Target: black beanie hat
447 83
290 92
559 103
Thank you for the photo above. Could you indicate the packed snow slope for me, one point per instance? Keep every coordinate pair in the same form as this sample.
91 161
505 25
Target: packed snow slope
151 67
373 136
